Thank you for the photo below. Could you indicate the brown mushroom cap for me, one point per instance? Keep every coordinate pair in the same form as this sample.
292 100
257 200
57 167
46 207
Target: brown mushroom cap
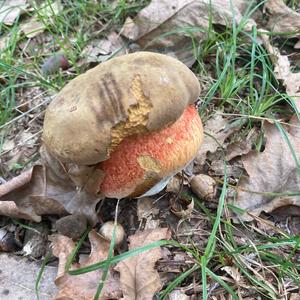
128 95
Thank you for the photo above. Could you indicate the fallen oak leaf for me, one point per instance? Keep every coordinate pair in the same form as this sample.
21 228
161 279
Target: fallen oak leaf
51 189
282 68
217 130
101 50
138 277
282 19
10 10
10 209
84 286
21 197
169 27
273 177
34 26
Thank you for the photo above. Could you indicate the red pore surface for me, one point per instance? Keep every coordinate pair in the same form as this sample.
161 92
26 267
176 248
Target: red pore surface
167 150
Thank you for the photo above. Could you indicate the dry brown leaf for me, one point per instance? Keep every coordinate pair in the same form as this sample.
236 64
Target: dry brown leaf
282 19
242 146
282 69
10 10
169 26
183 213
217 130
145 208
51 189
272 171
101 50
174 185
21 148
27 191
83 286
139 279
34 26
10 209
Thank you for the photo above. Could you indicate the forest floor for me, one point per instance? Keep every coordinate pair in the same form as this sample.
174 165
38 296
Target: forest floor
226 227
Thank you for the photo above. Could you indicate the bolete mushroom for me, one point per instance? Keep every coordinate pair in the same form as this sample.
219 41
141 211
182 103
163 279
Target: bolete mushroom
132 117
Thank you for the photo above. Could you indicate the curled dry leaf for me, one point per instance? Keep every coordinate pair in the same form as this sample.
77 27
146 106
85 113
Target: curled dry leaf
272 171
36 241
234 169
217 130
51 189
33 26
146 208
153 28
234 273
83 286
139 279
282 69
180 212
147 213
7 241
10 209
282 19
242 146
101 50
10 10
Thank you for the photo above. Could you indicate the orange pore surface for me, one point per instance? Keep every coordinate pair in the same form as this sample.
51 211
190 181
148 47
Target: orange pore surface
171 148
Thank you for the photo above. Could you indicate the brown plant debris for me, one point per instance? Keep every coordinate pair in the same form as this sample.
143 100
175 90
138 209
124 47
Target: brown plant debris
153 28
83 286
51 189
282 69
217 129
138 276
282 19
273 173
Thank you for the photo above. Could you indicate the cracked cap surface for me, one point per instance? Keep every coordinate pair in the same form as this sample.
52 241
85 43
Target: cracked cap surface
128 95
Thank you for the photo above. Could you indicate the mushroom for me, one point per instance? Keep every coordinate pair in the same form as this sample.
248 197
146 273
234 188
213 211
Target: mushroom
122 129
132 118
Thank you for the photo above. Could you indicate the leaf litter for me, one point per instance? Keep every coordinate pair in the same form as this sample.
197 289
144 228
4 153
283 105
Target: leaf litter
122 281
153 28
83 286
270 173
273 171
